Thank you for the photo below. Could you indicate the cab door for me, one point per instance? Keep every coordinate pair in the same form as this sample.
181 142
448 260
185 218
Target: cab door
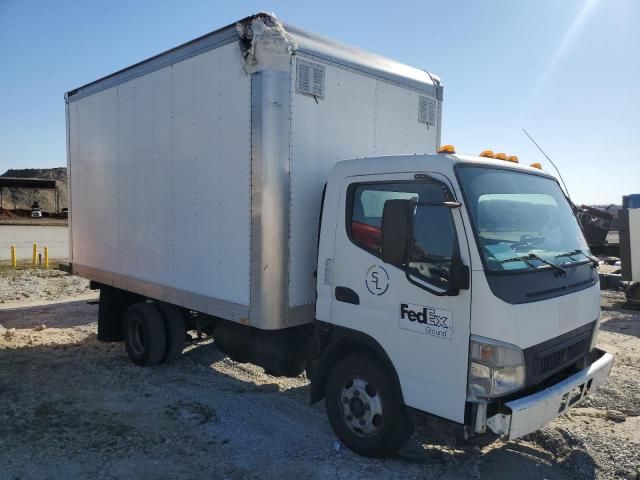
423 329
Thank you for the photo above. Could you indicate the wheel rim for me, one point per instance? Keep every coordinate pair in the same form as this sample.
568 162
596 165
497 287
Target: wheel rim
136 334
361 407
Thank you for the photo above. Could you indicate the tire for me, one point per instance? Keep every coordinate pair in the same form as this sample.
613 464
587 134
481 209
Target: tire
365 407
144 334
174 329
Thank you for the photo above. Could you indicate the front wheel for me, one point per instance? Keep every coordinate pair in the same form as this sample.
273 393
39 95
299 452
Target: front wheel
365 407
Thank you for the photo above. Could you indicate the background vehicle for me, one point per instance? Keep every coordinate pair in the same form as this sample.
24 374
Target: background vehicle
359 271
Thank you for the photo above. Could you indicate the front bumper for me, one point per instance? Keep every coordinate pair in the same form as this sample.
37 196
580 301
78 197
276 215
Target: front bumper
528 414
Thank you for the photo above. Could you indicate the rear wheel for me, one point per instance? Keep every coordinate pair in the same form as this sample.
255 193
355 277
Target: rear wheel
144 334
365 408
175 330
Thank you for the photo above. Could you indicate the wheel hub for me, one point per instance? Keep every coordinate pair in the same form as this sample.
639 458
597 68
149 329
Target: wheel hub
357 407
361 407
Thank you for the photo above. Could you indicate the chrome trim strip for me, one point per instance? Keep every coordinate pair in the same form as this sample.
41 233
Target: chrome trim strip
270 117
192 301
439 121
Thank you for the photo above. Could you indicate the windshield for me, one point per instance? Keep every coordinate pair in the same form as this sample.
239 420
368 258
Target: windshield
522 220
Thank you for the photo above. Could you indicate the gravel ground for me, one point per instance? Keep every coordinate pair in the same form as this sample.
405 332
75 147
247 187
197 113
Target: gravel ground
73 407
33 284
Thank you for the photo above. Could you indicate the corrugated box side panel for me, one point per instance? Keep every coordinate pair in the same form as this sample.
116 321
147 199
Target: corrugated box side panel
359 115
161 172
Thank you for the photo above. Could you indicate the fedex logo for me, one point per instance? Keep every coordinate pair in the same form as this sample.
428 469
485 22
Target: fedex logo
428 320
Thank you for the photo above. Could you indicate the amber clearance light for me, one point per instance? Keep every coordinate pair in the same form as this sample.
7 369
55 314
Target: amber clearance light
447 149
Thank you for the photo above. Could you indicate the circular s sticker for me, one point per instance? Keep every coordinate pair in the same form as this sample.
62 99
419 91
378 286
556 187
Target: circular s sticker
377 280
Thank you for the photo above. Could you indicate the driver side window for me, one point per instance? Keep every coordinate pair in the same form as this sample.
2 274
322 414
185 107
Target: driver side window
366 213
433 235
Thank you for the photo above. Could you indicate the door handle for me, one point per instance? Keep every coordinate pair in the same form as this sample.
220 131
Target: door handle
344 294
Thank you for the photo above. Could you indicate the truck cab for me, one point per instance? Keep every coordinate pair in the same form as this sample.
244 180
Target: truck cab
471 281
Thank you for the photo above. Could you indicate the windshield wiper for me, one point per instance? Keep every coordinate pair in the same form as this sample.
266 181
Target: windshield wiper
594 261
559 271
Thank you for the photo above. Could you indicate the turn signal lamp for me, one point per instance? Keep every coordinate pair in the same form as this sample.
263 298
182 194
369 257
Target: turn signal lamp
537 165
495 368
513 158
500 156
487 154
447 149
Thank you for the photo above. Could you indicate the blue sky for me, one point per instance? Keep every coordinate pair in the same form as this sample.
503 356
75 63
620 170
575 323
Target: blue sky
568 71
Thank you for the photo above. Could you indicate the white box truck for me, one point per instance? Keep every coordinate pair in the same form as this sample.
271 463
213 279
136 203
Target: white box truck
250 184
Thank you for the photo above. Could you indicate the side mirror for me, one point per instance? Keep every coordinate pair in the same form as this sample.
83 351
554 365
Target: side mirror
396 219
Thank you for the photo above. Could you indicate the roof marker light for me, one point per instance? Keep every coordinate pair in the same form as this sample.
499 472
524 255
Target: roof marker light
447 149
487 154
537 165
513 158
500 156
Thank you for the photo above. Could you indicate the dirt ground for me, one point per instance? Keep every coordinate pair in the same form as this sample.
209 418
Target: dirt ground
72 407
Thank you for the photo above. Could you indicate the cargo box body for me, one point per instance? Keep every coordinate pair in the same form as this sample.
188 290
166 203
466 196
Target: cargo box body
197 175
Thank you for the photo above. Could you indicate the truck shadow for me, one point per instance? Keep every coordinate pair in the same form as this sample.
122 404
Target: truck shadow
68 314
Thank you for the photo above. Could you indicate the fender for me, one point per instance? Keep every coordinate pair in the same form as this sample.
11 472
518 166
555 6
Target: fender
334 342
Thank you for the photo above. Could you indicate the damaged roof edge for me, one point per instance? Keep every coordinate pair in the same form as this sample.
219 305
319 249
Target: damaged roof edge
304 42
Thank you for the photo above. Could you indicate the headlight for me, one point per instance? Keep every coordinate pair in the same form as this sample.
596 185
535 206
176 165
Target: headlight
495 368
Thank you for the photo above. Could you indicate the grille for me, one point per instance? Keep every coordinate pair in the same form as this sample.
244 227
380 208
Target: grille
547 358
551 361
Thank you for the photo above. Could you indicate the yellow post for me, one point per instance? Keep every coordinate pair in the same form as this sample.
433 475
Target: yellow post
46 257
34 258
14 260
